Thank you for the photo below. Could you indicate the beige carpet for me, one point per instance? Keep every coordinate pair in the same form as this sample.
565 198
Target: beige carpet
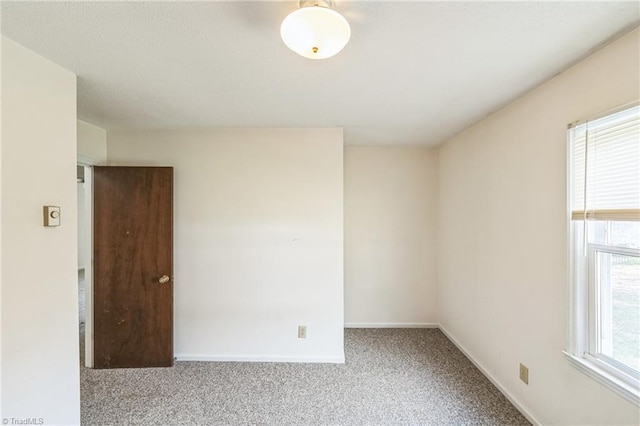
391 377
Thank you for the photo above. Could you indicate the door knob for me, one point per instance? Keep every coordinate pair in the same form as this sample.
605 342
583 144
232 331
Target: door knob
164 279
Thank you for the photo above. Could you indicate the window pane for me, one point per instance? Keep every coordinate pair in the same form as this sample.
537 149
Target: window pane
619 282
625 234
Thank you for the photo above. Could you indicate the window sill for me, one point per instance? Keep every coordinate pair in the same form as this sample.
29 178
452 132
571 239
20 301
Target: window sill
622 388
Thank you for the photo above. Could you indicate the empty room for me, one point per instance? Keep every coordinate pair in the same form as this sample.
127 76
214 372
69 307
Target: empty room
320 212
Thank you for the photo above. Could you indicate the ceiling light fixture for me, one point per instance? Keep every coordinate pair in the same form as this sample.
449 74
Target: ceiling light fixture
315 30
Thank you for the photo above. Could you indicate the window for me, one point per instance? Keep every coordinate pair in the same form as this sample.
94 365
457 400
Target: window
604 202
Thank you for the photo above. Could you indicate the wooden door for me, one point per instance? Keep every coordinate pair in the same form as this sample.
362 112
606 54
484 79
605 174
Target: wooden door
133 266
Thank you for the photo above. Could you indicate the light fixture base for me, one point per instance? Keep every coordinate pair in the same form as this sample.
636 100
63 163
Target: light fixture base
321 3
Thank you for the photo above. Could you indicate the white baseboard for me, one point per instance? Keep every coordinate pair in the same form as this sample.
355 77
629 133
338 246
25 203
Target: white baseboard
261 358
492 379
391 325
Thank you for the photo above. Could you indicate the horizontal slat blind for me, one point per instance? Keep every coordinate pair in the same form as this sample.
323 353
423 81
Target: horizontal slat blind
606 168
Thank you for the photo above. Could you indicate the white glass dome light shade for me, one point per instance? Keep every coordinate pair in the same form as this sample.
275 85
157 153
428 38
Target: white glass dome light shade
315 32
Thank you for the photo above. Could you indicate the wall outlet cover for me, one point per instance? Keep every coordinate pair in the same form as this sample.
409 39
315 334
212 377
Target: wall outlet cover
524 373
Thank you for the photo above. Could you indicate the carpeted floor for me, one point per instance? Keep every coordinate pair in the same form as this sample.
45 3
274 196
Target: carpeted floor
391 377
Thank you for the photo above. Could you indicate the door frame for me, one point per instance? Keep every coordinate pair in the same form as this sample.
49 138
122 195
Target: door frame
88 255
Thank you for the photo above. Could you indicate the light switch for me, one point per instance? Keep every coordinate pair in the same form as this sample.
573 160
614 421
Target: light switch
51 215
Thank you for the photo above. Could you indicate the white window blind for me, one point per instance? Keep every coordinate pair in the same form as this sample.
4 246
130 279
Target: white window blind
606 168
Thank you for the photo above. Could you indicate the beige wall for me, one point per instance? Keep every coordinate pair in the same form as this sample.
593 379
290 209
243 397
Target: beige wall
258 239
390 236
503 239
40 368
92 144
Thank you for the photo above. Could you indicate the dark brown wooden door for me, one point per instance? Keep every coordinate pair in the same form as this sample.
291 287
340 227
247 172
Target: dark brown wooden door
133 266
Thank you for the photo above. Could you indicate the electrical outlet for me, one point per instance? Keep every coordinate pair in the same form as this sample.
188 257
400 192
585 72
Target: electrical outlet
302 332
524 373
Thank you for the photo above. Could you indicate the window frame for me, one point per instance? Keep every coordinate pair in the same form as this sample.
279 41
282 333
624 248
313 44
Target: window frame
583 335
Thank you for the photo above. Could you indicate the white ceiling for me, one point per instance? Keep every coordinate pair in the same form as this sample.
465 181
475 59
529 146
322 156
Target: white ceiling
413 72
